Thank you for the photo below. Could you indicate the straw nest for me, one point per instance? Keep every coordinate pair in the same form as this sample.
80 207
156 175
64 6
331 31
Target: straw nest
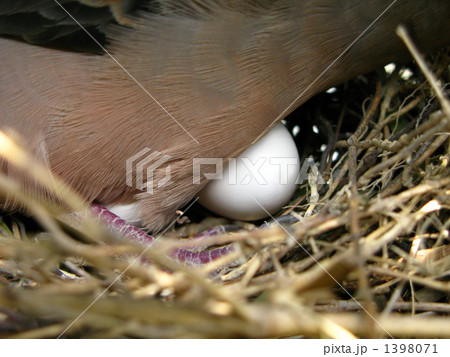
368 256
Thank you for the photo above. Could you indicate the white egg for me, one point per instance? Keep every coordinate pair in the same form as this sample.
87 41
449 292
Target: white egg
128 212
259 182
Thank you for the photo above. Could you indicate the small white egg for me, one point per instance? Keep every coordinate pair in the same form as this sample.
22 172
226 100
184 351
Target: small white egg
259 182
128 212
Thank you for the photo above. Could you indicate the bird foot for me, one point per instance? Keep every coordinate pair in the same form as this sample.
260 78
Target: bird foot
187 256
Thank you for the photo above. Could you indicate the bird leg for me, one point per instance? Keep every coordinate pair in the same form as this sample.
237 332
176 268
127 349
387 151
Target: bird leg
187 256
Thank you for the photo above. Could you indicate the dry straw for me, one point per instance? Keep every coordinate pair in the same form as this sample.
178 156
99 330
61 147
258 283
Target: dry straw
368 257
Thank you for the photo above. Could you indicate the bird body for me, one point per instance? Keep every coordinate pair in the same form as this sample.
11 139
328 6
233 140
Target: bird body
200 79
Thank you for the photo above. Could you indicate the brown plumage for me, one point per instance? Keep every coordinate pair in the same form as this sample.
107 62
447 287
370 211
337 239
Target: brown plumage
224 70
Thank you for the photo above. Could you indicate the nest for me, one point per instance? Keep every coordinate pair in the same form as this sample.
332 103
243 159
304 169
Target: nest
367 257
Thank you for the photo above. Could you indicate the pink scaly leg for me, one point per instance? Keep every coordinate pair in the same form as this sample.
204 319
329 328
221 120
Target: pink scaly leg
120 226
